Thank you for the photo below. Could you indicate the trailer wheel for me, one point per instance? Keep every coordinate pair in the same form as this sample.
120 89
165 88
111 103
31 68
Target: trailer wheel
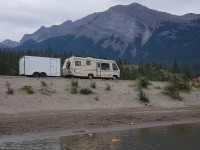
90 76
36 75
43 75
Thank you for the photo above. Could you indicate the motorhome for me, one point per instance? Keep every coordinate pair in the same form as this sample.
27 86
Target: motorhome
39 66
90 67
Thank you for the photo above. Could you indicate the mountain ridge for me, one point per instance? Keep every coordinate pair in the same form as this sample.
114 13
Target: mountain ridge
9 43
123 30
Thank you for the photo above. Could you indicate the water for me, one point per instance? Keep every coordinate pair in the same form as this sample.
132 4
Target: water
177 137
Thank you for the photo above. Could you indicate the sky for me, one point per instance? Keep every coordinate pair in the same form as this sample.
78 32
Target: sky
19 17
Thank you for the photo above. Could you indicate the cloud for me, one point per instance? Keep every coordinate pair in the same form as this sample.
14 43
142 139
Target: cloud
19 17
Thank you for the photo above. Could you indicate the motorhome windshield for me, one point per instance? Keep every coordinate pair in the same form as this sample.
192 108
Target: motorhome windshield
68 65
114 67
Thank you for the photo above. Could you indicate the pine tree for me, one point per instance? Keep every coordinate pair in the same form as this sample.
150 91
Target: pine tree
175 67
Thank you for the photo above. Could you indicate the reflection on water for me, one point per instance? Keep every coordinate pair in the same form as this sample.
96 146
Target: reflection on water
177 137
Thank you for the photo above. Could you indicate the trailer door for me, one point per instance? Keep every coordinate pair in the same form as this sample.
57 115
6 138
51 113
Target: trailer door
98 69
53 67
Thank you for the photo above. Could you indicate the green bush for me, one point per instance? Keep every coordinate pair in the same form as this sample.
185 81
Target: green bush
157 87
74 83
85 91
180 83
142 82
196 84
142 96
73 90
93 85
172 91
175 85
9 89
108 88
28 89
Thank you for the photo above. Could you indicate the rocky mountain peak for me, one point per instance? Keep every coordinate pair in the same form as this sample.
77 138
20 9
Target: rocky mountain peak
9 43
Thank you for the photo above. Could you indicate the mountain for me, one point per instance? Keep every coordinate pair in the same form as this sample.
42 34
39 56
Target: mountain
44 33
132 32
9 43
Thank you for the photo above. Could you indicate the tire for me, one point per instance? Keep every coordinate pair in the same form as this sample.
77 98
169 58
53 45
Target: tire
114 78
36 75
43 75
90 76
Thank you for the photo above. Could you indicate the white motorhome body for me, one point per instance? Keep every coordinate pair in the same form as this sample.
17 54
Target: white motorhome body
39 66
90 67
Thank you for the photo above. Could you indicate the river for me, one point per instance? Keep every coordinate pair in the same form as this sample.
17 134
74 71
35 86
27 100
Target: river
175 137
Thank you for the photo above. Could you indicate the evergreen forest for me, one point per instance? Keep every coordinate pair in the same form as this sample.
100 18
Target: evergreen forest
154 71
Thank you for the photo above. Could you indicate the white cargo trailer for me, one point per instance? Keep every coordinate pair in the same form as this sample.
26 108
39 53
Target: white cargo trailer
39 66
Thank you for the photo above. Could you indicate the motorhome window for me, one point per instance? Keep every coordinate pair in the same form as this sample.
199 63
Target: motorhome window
114 67
88 63
105 66
98 65
77 63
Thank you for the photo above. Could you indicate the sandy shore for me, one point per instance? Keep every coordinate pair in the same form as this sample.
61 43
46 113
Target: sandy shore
60 110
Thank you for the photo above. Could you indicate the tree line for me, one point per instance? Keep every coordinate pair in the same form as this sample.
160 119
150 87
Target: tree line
155 71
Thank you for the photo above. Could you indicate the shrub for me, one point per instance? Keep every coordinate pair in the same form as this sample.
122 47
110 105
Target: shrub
143 82
131 85
93 85
175 85
184 86
108 88
172 91
85 91
46 91
73 90
180 83
9 89
157 87
196 85
74 83
142 96
43 83
28 89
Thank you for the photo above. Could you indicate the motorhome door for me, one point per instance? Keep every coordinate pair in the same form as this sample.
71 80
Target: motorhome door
98 69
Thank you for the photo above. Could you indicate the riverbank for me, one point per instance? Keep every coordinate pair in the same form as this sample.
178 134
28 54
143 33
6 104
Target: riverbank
34 122
60 110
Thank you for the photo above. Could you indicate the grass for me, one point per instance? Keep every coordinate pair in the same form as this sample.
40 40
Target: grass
43 83
131 85
9 89
196 84
93 85
157 87
74 83
142 82
108 88
85 91
175 85
172 91
74 86
46 91
142 96
28 89
73 90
